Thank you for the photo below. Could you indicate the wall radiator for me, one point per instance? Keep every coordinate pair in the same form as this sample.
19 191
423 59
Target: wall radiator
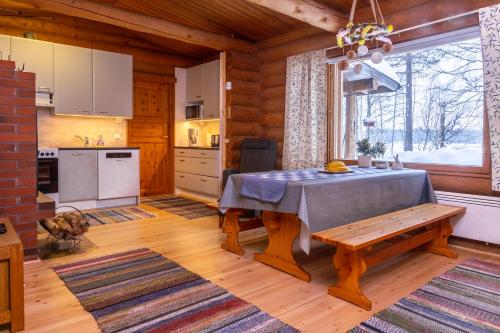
481 221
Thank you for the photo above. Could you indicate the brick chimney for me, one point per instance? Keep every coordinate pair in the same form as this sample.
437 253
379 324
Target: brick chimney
18 137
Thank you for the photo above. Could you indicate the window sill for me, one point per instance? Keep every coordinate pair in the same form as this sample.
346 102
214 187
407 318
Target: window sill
441 169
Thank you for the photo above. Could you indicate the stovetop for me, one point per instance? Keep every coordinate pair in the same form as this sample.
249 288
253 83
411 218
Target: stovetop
47 153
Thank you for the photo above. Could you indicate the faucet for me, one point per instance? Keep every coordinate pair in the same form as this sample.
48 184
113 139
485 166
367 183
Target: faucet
85 140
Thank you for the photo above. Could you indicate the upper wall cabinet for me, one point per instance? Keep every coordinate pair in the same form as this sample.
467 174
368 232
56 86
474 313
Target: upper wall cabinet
203 85
4 47
211 90
194 81
113 84
37 57
73 80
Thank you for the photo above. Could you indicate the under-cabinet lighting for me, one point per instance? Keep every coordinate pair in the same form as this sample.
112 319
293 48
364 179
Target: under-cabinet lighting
201 120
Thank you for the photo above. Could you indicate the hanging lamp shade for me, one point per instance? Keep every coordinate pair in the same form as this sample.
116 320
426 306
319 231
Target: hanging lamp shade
360 33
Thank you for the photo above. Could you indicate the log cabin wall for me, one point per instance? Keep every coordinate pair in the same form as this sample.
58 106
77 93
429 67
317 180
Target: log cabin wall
242 102
149 57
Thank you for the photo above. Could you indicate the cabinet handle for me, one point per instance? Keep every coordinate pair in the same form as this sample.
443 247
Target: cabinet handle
43 89
204 154
203 162
102 112
76 155
182 152
181 177
203 180
181 161
83 111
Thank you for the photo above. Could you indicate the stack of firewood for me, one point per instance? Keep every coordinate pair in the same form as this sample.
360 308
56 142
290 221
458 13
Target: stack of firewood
67 226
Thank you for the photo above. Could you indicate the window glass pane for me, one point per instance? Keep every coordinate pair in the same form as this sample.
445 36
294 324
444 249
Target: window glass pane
425 105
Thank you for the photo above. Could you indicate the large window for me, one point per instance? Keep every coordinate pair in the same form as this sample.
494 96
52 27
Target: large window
426 105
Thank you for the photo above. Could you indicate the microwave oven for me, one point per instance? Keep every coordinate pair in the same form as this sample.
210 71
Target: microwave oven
194 111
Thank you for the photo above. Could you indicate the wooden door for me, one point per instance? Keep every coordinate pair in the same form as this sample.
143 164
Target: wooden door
151 129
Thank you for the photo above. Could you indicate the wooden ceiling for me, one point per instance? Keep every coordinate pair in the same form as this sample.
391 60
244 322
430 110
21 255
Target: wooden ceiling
241 21
232 18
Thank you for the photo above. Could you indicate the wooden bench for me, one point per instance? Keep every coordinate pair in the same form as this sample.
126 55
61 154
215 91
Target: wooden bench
426 225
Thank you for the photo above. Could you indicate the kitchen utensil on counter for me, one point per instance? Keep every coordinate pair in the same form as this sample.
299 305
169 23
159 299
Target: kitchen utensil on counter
194 137
215 140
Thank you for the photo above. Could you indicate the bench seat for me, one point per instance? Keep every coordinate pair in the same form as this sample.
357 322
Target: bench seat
427 225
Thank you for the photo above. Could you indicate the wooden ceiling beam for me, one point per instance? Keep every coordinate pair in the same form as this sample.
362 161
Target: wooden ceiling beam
310 11
142 23
139 54
53 26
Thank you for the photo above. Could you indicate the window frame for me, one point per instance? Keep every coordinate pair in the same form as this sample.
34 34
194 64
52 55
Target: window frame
335 93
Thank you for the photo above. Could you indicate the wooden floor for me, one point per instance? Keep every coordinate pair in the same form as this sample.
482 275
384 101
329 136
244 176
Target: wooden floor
194 244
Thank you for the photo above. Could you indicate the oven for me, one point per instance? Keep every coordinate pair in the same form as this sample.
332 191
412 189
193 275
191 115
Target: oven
47 170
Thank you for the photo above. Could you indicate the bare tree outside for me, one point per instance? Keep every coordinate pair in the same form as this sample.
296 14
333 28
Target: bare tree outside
437 114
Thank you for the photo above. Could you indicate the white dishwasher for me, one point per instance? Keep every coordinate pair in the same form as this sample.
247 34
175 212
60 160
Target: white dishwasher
118 173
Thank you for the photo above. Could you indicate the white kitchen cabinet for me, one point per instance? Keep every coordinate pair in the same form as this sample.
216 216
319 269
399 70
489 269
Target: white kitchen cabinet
197 170
113 84
118 173
196 183
37 57
5 47
194 84
203 85
211 90
77 175
73 80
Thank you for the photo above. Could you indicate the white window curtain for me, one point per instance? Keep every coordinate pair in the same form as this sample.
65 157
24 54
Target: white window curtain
305 142
489 21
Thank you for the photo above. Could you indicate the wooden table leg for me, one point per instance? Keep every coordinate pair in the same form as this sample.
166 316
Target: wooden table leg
17 288
282 229
232 230
349 266
440 244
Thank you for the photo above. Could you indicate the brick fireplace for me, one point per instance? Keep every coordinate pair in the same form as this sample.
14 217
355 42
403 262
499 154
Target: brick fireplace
18 195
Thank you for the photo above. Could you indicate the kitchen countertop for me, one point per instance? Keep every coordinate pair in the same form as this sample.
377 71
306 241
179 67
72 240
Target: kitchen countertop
198 147
100 148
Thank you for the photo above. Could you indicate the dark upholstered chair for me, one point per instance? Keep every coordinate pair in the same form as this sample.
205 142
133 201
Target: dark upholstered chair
257 155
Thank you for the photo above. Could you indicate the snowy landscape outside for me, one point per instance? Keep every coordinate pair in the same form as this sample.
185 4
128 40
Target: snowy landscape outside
437 114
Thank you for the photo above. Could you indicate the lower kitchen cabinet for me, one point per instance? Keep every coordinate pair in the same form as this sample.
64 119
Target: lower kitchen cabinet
196 183
77 175
197 170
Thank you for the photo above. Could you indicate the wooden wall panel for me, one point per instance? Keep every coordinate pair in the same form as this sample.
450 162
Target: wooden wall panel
242 102
146 56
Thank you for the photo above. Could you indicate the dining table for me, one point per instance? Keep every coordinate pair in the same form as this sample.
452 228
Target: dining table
294 204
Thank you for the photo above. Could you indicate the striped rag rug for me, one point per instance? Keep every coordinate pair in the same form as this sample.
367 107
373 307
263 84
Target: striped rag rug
464 299
116 215
141 291
190 209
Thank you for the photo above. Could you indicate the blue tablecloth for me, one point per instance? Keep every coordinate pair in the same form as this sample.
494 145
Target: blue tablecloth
323 201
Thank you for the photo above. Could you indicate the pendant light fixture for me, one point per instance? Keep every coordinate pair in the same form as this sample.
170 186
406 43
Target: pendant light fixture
360 33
